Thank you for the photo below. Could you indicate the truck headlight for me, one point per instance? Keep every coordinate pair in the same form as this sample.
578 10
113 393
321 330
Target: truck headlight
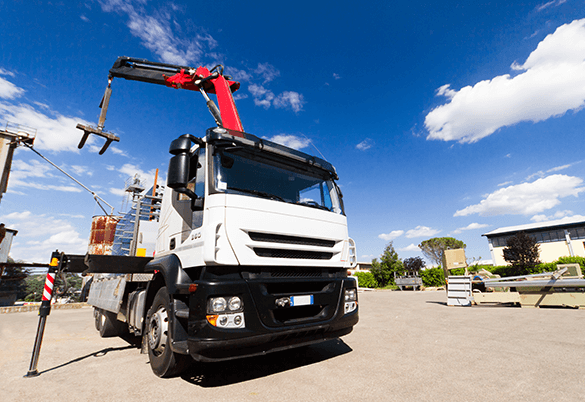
226 312
224 304
235 303
350 300
350 295
218 304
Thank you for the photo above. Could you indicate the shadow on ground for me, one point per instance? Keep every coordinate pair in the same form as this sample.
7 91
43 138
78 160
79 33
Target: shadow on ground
442 303
133 343
210 375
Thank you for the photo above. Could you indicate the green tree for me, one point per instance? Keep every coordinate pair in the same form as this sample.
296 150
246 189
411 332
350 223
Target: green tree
523 253
389 264
434 248
366 280
414 265
433 277
13 279
34 288
35 285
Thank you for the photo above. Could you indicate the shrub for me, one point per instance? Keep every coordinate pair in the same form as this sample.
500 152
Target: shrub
573 260
508 270
432 277
366 280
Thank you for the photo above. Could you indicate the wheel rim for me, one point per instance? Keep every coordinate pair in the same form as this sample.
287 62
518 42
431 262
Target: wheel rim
158 330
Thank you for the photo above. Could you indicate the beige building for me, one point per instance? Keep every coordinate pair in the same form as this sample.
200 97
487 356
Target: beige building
556 239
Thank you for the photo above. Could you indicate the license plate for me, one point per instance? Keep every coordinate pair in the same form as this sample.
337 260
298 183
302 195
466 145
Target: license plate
301 300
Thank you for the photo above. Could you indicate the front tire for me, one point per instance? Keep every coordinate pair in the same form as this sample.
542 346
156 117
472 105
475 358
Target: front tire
163 361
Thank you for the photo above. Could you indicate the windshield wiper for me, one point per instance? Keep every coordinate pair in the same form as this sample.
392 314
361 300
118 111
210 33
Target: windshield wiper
258 193
313 204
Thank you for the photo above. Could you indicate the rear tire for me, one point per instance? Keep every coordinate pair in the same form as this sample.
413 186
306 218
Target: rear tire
109 325
163 361
97 317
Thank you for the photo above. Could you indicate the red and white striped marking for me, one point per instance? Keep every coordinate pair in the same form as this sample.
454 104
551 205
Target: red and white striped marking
48 291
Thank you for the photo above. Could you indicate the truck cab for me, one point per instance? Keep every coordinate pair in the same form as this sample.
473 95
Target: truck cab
256 238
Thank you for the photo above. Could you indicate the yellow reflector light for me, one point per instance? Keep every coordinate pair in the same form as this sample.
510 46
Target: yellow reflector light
212 319
54 262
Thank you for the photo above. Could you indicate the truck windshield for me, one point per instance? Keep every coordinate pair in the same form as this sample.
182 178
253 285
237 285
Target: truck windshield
240 172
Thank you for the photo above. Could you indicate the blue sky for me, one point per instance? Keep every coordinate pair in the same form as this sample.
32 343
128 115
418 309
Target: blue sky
442 118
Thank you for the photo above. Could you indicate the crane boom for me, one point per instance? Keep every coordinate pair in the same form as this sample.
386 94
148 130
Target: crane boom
194 79
184 77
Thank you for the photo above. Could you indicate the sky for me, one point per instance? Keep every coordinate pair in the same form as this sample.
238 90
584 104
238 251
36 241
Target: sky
442 118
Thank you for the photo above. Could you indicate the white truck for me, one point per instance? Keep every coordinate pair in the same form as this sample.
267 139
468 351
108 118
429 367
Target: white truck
252 249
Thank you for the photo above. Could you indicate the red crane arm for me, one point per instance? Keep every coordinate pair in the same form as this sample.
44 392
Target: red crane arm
200 79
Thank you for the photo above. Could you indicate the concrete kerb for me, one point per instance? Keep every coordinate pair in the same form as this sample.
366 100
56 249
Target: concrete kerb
35 307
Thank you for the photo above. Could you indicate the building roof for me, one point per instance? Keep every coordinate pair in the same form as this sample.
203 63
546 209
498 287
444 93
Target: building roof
560 223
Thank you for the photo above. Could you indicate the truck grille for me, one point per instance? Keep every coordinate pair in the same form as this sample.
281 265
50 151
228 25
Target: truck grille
304 241
326 294
298 254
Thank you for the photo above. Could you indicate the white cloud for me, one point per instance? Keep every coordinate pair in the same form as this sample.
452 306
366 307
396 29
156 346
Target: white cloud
22 170
118 151
54 133
80 170
239 96
566 214
411 247
551 83
7 89
336 76
556 169
6 72
146 177
471 226
84 18
365 144
421 231
552 3
504 183
541 173
16 216
239 75
446 91
39 235
291 141
157 34
267 71
265 98
118 191
392 235
23 173
526 198
289 100
262 96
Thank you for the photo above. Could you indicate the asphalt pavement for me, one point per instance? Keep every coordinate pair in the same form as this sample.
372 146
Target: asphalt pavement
408 346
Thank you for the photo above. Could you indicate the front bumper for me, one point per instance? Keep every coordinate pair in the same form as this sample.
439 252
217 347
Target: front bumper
269 328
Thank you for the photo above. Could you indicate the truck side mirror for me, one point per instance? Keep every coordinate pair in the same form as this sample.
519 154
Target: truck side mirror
178 175
180 164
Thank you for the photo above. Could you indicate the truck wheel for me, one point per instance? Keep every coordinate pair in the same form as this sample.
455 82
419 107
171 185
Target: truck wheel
163 361
97 317
108 325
